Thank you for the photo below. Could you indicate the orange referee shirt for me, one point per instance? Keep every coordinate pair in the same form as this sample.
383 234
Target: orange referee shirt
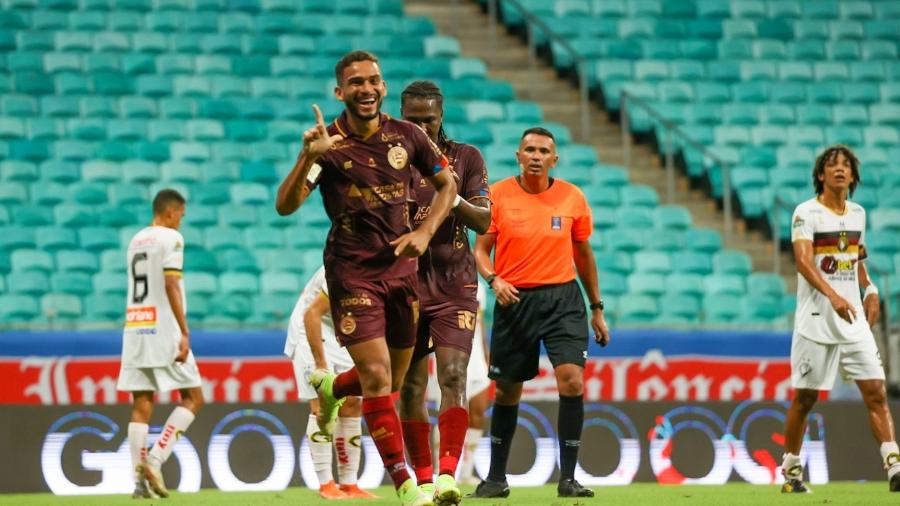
535 232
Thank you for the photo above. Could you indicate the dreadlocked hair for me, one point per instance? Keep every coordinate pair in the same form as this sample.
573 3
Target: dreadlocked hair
427 90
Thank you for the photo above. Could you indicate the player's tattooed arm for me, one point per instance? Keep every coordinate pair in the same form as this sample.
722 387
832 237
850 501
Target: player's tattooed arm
312 322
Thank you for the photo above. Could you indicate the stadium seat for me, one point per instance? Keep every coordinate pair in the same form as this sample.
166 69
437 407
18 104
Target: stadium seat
60 306
637 309
18 308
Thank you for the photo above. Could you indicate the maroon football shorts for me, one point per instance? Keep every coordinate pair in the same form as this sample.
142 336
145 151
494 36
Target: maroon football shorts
364 310
447 324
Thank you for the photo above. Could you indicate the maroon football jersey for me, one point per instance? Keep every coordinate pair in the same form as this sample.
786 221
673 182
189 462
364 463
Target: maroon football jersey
365 186
447 269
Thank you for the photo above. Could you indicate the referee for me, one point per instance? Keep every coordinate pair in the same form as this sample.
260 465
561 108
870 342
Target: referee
539 225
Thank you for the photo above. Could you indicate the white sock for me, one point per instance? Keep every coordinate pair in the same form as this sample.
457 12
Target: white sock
467 465
137 443
886 450
177 423
319 450
790 466
347 440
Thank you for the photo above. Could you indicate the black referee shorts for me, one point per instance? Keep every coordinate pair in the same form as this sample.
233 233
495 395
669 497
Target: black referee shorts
554 314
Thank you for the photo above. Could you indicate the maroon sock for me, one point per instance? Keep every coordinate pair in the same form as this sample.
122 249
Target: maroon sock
453 424
416 435
384 428
346 384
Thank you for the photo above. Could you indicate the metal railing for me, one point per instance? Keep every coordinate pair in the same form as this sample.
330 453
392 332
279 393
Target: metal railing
581 63
627 100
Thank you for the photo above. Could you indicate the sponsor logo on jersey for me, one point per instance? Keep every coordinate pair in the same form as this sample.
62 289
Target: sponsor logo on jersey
831 265
359 299
140 317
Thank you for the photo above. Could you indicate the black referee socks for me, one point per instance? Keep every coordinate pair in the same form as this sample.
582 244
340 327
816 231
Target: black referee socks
568 426
503 426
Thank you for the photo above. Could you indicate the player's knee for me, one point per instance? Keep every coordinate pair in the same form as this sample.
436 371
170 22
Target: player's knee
571 386
805 399
508 394
453 377
411 392
375 376
875 397
196 401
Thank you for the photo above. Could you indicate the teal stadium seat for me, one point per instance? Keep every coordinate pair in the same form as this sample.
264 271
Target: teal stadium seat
60 306
31 283
18 308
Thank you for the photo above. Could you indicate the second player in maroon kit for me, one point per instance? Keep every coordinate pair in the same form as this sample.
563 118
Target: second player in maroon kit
362 164
447 296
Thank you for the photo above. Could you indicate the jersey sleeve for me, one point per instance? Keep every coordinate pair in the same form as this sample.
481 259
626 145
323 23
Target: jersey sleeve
427 157
802 225
583 224
173 253
476 180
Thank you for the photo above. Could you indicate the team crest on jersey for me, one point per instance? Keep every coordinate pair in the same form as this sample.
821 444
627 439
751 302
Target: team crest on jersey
556 223
843 242
397 157
348 324
140 317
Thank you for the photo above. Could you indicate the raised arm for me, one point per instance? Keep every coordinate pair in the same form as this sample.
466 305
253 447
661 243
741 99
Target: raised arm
293 190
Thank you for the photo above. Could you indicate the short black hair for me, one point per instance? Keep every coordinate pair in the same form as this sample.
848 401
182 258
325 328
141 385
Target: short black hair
830 156
349 59
539 131
166 198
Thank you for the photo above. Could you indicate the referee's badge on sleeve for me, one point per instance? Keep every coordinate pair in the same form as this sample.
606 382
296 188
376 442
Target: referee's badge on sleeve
556 223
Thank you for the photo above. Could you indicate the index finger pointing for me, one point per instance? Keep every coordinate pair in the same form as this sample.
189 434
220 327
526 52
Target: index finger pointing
320 120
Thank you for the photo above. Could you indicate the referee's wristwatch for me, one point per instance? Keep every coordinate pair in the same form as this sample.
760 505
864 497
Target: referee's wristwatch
597 305
490 281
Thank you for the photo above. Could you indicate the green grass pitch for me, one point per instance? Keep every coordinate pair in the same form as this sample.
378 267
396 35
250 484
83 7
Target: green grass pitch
632 495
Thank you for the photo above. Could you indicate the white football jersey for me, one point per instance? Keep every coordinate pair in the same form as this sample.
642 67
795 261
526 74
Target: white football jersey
296 330
151 334
838 246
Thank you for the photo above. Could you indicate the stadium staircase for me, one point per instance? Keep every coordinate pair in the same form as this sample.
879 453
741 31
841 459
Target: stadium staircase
508 59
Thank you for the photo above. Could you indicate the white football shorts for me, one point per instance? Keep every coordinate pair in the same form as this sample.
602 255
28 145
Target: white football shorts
814 366
304 364
160 379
